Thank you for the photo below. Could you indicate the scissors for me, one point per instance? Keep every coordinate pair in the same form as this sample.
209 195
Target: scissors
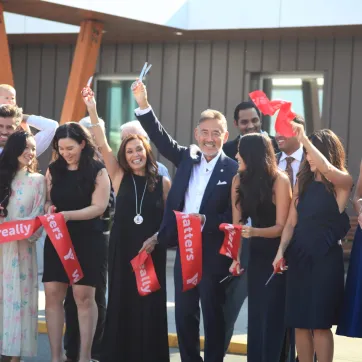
233 274
144 71
280 267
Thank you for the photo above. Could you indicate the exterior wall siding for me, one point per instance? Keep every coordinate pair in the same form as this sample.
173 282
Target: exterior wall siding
187 78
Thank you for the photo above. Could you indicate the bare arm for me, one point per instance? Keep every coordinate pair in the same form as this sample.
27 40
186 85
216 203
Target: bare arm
46 127
166 188
283 196
114 170
339 179
236 209
357 198
48 201
290 224
99 202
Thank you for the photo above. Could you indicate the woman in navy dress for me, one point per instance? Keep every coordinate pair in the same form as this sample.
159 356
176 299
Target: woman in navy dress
263 193
350 324
316 224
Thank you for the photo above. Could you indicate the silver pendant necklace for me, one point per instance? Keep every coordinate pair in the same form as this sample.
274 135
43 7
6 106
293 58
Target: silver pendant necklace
138 219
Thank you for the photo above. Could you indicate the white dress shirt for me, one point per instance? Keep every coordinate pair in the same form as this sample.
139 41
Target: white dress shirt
44 137
200 176
298 156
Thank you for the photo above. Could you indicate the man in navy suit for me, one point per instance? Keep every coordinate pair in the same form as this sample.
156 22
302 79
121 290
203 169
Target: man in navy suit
201 186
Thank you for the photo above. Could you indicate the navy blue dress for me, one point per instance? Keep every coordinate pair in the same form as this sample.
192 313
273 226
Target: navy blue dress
315 276
266 304
350 323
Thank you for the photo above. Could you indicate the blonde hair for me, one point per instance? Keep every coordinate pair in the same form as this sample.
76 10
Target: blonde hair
10 111
213 114
7 87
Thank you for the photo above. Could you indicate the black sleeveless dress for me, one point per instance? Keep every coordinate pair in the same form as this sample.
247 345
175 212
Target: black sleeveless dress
266 328
136 327
315 276
89 243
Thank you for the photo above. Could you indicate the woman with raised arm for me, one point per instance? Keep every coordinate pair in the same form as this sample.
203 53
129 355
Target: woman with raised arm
22 196
78 187
263 193
316 223
350 324
136 326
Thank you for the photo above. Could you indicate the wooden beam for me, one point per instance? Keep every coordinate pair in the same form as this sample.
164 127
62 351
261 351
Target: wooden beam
83 67
6 74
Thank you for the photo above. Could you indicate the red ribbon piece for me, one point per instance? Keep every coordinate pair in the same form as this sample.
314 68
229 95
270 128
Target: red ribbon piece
285 116
190 244
231 244
145 272
56 228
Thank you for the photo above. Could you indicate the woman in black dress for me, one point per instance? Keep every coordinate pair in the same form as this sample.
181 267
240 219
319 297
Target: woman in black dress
263 193
136 326
316 224
78 187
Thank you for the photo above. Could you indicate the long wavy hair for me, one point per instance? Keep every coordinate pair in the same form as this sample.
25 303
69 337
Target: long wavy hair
151 165
9 165
87 162
256 181
328 143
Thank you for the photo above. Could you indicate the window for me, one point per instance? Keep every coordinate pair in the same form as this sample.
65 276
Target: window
115 104
305 91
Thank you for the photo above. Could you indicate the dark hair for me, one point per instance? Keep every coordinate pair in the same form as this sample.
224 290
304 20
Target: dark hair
245 105
300 120
11 111
256 181
9 165
151 165
87 167
328 143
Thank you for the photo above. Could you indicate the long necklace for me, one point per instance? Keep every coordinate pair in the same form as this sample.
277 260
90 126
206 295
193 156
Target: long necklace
138 219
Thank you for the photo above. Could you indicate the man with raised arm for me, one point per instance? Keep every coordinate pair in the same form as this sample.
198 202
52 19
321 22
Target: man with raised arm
202 187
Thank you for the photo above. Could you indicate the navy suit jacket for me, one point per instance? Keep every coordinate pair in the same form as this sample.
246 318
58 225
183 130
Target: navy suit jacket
216 202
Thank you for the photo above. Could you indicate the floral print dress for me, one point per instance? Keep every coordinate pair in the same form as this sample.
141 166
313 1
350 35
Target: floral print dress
18 270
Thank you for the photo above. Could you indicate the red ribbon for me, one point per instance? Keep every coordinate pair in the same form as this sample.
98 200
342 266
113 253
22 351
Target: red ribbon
231 244
285 116
56 228
190 244
145 272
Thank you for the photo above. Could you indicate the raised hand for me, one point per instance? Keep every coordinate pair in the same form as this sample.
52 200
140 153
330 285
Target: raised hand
299 131
88 98
140 94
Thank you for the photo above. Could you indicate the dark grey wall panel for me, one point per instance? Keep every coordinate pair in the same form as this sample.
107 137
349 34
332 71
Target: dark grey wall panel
33 80
169 92
123 58
324 61
306 55
219 71
355 122
270 60
185 94
108 59
202 80
63 62
235 81
47 81
341 87
18 60
288 55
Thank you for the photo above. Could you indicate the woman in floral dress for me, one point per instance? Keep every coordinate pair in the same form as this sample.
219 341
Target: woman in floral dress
22 196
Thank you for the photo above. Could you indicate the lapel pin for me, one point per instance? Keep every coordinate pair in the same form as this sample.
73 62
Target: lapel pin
221 170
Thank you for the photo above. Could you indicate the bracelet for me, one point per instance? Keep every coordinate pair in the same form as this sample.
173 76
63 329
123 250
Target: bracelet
94 125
